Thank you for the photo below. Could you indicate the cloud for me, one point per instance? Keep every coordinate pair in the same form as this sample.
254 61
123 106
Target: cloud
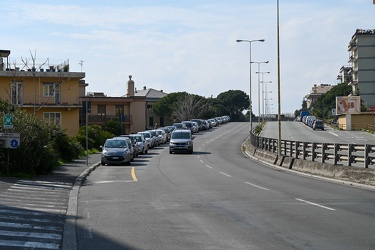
190 45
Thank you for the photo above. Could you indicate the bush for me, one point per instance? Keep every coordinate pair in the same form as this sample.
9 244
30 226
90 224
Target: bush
96 136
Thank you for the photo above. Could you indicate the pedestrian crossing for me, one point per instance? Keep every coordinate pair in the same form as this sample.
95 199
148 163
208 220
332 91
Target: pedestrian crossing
32 214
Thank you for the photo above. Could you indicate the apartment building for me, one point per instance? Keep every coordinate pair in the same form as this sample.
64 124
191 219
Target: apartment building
133 110
47 90
151 97
316 92
344 75
362 58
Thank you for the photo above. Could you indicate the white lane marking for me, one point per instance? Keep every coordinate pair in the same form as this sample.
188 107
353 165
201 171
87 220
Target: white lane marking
208 166
201 161
198 156
29 244
225 174
29 226
31 234
104 182
251 184
315 204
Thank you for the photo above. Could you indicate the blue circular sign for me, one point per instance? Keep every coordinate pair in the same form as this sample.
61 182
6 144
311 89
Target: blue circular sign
14 143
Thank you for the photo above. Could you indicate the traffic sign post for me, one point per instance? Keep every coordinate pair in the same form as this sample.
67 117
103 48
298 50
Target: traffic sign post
8 121
10 140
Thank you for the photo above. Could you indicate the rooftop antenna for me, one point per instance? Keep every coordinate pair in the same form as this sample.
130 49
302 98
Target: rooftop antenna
81 63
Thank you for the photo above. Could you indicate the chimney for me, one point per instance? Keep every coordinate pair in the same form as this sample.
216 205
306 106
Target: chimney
144 87
130 87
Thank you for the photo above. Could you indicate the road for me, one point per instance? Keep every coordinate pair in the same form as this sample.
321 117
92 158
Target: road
217 198
297 131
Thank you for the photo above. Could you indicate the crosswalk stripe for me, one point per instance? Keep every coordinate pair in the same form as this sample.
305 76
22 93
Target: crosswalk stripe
32 214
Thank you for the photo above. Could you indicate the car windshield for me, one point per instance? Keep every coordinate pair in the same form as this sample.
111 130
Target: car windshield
180 135
115 144
138 138
188 124
146 135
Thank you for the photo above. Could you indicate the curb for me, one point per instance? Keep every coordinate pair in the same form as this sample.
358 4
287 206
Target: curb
70 229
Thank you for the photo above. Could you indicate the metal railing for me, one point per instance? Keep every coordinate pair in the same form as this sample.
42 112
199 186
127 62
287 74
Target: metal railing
334 153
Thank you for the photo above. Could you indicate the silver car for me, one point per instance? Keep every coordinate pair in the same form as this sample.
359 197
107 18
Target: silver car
149 139
141 141
181 140
162 135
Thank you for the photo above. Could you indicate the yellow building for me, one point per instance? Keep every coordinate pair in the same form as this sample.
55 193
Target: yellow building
50 92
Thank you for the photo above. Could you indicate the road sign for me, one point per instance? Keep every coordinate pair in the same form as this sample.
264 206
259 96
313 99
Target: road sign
10 140
8 121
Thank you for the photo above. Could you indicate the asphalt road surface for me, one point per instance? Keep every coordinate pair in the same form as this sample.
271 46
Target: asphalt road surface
297 131
217 198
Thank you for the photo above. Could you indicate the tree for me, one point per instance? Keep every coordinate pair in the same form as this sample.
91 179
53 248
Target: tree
166 105
114 127
234 102
189 107
325 103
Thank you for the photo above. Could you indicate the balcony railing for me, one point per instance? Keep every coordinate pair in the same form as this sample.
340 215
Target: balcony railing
30 100
104 118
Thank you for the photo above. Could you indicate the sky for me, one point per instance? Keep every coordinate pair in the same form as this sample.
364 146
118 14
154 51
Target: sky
190 45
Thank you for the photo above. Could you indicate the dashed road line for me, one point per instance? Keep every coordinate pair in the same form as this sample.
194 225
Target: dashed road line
315 204
251 184
227 175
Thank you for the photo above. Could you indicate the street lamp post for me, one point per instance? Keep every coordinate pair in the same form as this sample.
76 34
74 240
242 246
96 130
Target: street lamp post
259 87
265 98
250 100
278 82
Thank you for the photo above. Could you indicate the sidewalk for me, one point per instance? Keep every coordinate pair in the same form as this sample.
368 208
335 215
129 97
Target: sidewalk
65 173
73 173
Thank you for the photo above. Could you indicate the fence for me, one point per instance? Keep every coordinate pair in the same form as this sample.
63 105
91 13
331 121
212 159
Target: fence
333 153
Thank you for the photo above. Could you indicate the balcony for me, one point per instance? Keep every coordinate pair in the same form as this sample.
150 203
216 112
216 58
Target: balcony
99 119
51 101
352 46
353 58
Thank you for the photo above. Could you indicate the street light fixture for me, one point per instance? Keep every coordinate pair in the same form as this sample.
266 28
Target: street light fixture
250 100
259 87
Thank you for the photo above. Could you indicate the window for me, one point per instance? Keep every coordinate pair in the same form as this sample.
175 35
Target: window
52 118
119 109
162 121
101 110
17 93
51 88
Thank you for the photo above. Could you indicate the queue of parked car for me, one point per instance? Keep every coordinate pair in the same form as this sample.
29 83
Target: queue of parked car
124 149
313 122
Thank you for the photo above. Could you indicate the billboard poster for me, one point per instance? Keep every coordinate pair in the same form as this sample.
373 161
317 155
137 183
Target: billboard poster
348 105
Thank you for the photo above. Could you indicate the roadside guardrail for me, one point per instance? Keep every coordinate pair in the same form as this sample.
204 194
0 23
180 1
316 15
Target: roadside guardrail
357 155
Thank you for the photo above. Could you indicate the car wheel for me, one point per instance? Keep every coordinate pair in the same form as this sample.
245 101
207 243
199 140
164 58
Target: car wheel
128 163
102 163
170 151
